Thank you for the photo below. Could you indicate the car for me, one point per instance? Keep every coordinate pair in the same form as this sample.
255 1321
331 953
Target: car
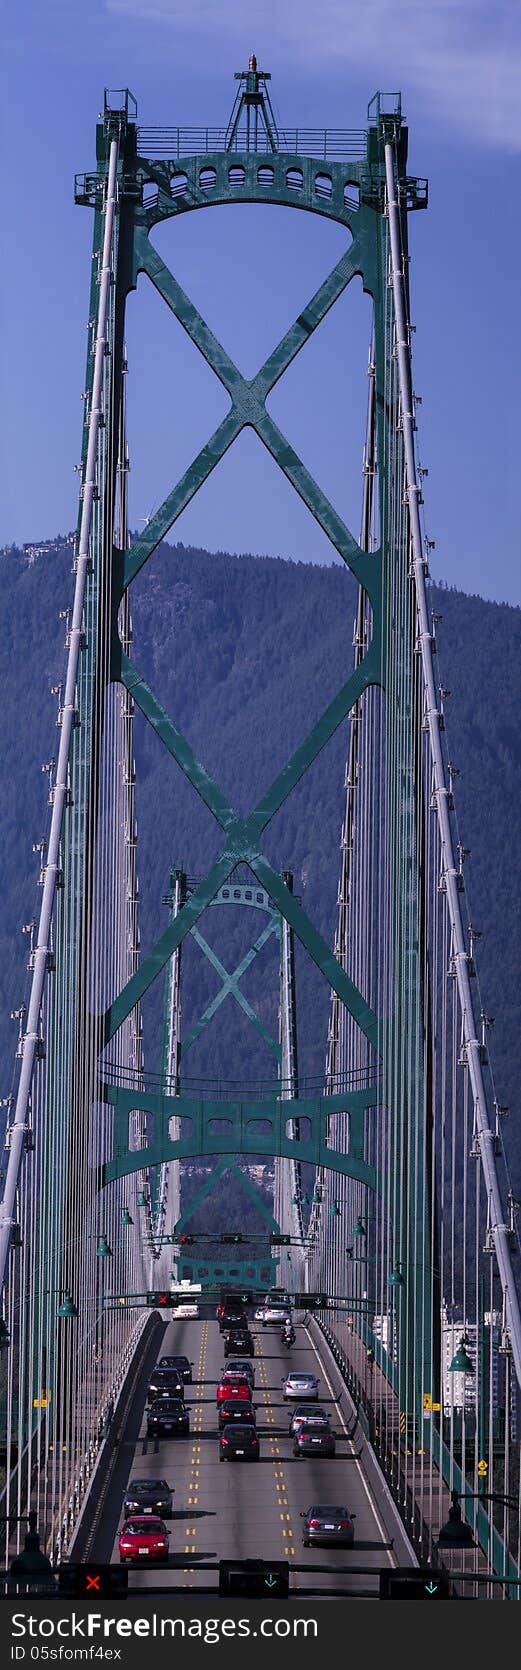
328 1524
239 1443
233 1316
148 1496
311 1440
168 1415
258 1314
165 1382
239 1339
276 1313
242 1367
240 1389
182 1364
234 1409
308 1414
300 1386
143 1540
188 1309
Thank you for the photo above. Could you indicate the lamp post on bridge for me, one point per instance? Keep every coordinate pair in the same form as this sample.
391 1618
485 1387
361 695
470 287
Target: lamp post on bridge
31 1570
457 1533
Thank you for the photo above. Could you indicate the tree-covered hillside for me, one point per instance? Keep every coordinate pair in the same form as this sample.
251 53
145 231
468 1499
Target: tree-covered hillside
244 652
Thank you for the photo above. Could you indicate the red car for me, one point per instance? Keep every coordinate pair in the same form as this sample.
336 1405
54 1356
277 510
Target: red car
143 1540
233 1389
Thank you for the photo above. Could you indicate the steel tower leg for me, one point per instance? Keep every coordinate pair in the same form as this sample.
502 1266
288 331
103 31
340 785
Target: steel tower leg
485 1137
168 1205
60 792
288 1181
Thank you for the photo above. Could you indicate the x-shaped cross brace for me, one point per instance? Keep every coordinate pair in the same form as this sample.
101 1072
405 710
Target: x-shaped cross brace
243 834
248 409
230 988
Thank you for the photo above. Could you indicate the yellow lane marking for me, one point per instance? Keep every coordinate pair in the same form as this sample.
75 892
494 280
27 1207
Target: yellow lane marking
278 1472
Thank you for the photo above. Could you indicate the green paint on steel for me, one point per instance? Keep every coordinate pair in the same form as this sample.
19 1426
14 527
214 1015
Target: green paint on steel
351 193
230 988
249 410
257 1127
216 1275
242 837
255 897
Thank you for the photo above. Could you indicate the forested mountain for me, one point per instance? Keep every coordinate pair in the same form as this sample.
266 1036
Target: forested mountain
245 652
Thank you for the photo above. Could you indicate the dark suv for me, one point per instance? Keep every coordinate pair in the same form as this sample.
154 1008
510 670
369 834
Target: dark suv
165 1382
238 1341
233 1316
168 1415
182 1364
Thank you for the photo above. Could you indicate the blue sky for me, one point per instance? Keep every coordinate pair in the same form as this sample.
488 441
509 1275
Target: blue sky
457 63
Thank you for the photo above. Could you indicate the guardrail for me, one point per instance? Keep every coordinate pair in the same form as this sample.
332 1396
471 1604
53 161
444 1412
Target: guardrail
333 143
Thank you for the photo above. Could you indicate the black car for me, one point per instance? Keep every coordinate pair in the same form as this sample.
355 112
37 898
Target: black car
238 1443
148 1496
182 1364
311 1440
233 1410
165 1382
238 1341
232 1317
168 1415
328 1524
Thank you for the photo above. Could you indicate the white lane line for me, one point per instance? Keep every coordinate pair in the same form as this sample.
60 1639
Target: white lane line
372 1503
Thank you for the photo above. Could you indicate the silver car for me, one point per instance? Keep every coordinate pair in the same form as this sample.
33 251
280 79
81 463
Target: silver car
328 1524
276 1313
308 1414
300 1386
242 1367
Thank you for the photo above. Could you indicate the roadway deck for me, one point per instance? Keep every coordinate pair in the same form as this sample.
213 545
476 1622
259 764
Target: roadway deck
248 1510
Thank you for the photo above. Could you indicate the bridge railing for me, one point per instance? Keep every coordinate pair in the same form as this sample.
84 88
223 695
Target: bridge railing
333 143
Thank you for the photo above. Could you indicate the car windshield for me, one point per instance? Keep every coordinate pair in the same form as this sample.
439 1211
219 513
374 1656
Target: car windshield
173 1362
246 1432
144 1527
169 1405
138 1487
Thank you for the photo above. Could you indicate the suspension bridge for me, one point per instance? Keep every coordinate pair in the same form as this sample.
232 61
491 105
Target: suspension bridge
392 1221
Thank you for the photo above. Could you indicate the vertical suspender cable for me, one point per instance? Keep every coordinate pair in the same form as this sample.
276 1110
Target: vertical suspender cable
68 712
498 1227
